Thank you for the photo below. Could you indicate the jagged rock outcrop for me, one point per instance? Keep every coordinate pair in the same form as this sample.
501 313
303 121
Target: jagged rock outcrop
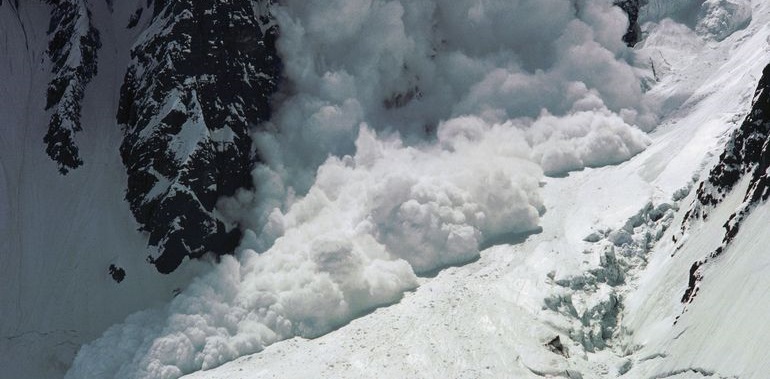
201 76
72 49
631 7
747 153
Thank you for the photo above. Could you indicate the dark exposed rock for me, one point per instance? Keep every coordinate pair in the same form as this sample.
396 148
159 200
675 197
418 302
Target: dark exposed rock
194 89
117 273
72 49
557 347
631 7
134 20
694 278
747 153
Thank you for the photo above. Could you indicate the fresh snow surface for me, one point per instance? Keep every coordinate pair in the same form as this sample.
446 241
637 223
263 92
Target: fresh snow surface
489 318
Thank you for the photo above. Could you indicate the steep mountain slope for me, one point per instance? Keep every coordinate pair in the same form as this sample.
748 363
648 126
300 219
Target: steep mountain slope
73 52
201 76
353 234
745 156
598 292
74 228
144 140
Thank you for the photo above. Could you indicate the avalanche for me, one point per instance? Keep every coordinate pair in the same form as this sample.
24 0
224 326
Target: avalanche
375 200
609 269
442 188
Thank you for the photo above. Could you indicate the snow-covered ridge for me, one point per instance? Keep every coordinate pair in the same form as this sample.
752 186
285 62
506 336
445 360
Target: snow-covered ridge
201 77
745 156
72 50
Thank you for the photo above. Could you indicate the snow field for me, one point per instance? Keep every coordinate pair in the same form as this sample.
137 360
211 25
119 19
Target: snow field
372 204
487 318
375 204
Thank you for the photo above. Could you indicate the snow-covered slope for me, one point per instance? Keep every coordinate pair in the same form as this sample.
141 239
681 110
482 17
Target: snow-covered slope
480 110
432 196
499 316
60 234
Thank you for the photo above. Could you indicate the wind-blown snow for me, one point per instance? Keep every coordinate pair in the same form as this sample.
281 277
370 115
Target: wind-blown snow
407 137
486 319
583 139
721 18
405 66
716 19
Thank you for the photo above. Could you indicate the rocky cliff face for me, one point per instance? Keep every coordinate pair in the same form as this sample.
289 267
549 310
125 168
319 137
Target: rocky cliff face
147 108
72 50
747 155
631 7
201 77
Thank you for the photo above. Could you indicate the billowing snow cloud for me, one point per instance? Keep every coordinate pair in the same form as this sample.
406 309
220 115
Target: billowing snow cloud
352 243
409 133
404 66
583 139
716 19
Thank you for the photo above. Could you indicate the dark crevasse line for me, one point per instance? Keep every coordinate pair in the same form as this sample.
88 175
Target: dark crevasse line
194 88
72 49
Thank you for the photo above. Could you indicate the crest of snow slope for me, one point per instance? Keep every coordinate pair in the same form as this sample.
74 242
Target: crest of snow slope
520 85
486 319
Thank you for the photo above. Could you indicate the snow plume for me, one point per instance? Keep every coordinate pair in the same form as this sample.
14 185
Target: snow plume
583 139
405 138
714 19
404 66
352 243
